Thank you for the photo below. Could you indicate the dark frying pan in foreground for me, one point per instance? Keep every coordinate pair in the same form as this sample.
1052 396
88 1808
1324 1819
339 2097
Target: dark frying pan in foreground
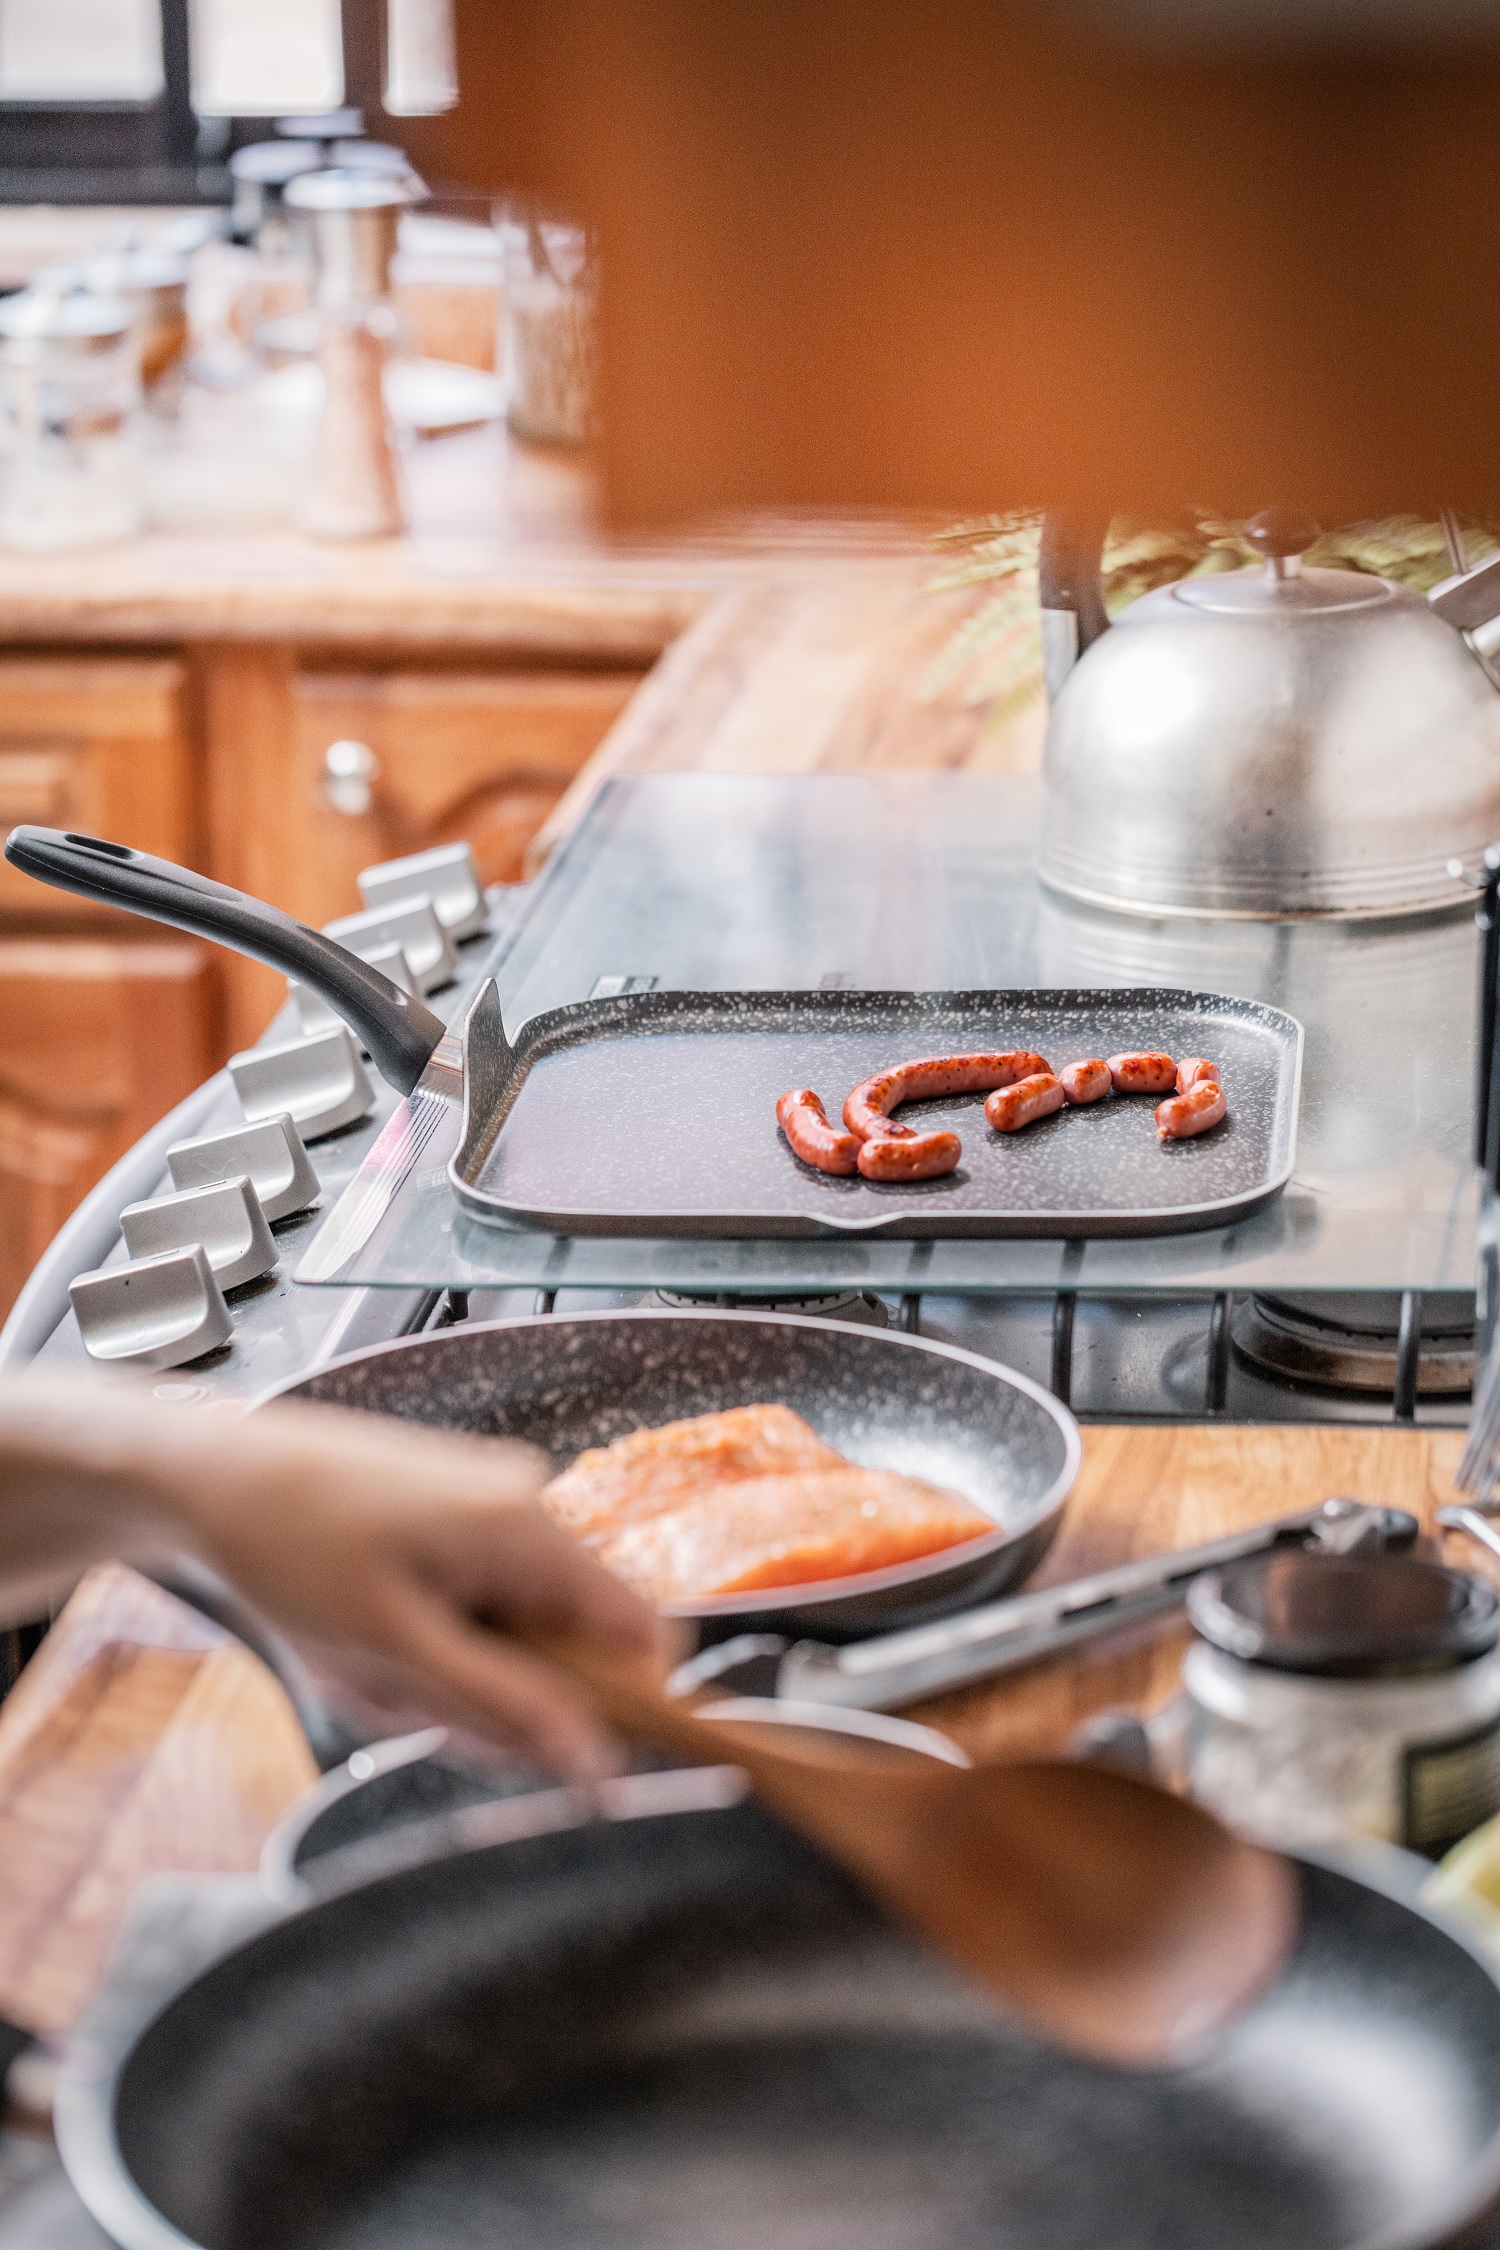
679 2029
887 1400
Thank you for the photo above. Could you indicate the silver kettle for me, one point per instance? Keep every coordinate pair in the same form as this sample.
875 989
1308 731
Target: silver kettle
1269 742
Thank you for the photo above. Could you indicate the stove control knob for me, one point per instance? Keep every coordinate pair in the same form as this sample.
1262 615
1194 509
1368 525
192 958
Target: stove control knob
350 771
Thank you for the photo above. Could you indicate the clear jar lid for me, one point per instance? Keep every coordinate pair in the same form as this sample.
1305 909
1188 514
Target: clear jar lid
1345 1616
341 189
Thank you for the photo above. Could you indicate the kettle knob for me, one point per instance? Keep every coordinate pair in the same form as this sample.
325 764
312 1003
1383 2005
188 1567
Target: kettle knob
1280 533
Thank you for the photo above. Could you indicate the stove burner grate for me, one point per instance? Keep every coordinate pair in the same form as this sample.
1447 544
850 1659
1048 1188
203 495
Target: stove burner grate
1355 1343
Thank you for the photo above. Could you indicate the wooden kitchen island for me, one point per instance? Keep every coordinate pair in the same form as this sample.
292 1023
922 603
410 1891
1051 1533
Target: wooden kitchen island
142 1740
181 693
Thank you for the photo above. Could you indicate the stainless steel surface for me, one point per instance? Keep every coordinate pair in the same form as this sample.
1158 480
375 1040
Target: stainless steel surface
1271 742
410 922
270 1154
1478 1527
224 1216
709 882
92 1230
1326 1339
319 1082
152 1312
354 217
885 1400
688 1086
900 1668
446 875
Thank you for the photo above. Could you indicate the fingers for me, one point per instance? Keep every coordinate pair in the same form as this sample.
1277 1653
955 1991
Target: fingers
475 1678
544 1578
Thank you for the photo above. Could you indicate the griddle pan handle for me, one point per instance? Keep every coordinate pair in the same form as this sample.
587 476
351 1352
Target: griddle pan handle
399 1032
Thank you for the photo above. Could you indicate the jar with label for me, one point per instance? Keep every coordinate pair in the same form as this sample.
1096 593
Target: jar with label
69 391
1331 1695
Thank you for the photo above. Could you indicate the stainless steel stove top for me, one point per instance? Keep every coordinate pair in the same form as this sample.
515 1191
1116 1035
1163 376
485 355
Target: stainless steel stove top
925 881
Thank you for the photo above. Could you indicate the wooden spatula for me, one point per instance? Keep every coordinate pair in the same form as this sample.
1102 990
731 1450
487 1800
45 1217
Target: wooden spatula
1126 1923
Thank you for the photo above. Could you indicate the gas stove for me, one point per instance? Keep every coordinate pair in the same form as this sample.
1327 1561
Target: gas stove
1350 1300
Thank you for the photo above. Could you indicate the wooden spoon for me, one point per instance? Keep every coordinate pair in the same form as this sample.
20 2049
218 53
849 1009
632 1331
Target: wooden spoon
1126 1923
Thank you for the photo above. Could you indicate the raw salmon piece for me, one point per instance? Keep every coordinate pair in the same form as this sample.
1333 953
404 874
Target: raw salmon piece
787 1530
651 1470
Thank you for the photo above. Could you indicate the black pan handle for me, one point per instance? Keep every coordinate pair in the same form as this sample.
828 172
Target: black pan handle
399 1032
1070 587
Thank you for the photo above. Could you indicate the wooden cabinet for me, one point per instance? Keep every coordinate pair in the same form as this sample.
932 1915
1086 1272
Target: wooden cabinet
217 757
446 754
100 744
99 1036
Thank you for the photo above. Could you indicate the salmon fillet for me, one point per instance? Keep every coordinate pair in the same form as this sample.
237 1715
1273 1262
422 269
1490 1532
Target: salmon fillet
640 1476
787 1530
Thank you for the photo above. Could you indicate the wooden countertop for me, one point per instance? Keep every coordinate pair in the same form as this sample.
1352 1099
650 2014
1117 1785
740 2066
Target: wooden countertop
505 554
142 1740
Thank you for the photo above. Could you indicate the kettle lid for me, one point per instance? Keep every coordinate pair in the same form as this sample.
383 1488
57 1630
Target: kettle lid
1282 585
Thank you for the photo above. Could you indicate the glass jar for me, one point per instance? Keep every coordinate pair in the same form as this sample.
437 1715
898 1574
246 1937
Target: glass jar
69 394
548 316
1331 1695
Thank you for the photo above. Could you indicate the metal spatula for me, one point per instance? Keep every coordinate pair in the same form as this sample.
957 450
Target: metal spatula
1126 1923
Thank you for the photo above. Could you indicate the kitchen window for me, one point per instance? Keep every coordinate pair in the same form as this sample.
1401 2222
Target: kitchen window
141 101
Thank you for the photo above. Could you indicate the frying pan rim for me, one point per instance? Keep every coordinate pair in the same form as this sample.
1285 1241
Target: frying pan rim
811 1593
89 2080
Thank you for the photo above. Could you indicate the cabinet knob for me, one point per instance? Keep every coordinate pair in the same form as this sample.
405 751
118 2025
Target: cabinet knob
350 770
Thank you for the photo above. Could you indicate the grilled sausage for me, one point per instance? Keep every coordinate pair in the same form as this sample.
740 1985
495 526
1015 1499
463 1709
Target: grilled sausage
1085 1081
904 1155
1143 1074
804 1121
1021 1104
1194 1071
870 1104
1197 1111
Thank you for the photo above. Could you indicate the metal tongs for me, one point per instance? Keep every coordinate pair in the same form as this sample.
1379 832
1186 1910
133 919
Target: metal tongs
899 1668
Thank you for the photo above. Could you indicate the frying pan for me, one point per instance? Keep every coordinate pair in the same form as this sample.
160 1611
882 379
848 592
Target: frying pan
638 1114
677 2028
886 1400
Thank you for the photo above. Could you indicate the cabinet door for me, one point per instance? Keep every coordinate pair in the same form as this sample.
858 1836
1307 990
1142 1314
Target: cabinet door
442 755
99 1037
99 744
451 755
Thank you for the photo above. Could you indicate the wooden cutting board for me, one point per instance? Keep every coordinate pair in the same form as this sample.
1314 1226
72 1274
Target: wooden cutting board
142 1739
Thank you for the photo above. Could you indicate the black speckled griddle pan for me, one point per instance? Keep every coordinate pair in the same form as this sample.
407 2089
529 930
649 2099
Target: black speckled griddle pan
655 1113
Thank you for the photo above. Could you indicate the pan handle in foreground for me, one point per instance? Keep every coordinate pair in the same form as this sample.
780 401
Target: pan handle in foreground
399 1032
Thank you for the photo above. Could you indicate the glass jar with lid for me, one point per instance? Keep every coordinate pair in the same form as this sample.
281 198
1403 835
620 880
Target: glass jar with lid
69 391
1331 1695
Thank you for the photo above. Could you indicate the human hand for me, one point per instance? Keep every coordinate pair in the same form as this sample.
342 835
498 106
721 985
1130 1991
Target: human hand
415 1567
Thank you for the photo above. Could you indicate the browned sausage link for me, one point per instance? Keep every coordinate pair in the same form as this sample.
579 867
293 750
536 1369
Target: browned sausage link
1194 1071
932 1077
909 1156
1197 1111
868 1108
1022 1104
804 1121
1143 1074
1085 1081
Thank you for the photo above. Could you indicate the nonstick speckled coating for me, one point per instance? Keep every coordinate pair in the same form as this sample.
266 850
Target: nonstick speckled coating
888 1401
687 2032
655 1113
